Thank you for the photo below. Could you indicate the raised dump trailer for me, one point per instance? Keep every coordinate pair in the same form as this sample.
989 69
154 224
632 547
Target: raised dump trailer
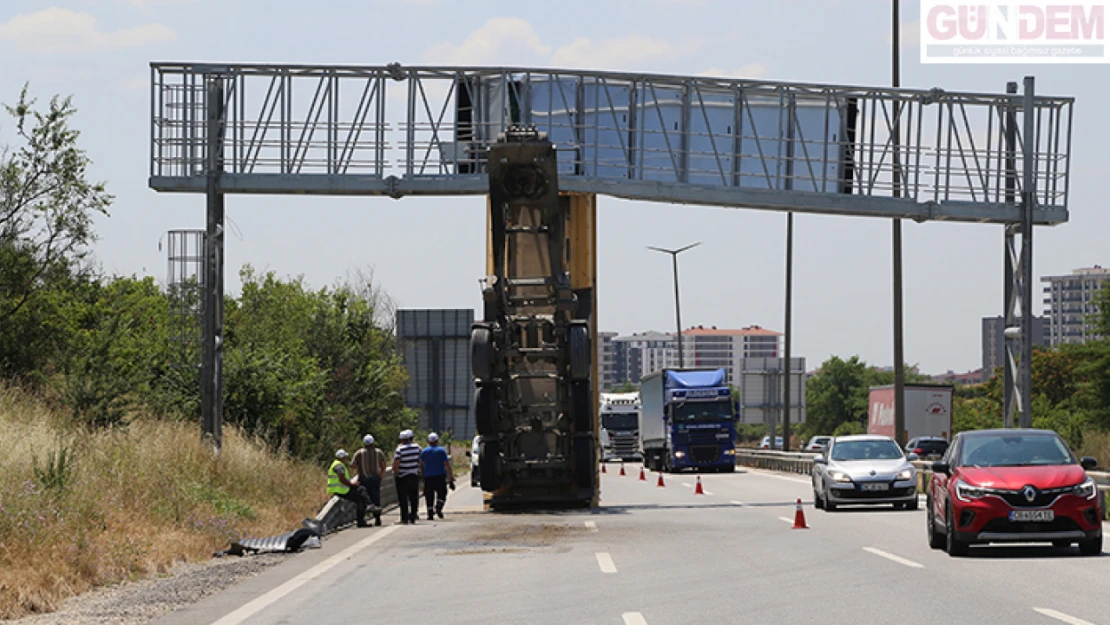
531 353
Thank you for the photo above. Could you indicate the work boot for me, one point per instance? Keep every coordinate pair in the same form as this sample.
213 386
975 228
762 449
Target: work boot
430 517
377 520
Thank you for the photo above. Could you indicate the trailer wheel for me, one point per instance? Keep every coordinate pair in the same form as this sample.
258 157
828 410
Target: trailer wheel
579 347
485 410
481 353
582 406
489 465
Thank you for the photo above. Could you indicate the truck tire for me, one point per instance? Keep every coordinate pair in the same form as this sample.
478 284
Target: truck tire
578 341
485 410
584 460
582 406
481 353
489 465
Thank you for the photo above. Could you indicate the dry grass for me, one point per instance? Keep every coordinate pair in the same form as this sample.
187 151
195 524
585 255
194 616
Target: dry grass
1096 445
133 502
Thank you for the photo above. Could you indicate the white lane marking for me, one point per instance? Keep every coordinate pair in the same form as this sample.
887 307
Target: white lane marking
605 561
687 484
590 525
781 477
1060 616
894 558
737 503
633 618
258 604
705 492
790 521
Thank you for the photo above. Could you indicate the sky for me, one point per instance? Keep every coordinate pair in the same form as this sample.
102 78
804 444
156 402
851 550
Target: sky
428 252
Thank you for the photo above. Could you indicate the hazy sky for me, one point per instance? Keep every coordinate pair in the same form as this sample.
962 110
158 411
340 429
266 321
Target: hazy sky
428 252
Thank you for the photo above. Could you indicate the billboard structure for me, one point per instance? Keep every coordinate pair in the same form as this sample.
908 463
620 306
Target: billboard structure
435 346
761 391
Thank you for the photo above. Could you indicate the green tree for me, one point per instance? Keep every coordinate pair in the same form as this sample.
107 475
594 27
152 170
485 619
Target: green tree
47 203
838 394
626 387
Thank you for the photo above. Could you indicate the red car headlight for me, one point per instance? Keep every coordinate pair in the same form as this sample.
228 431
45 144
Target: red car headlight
967 492
1087 490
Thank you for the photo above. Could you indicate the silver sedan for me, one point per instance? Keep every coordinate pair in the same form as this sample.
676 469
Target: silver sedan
864 469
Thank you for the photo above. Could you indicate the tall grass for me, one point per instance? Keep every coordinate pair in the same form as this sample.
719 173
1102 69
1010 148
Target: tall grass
1097 445
80 508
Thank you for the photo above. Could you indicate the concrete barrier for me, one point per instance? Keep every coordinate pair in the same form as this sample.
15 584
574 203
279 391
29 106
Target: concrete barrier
802 463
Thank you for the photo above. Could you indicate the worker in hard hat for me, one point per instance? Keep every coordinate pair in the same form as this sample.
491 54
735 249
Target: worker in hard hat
370 464
437 475
406 471
340 486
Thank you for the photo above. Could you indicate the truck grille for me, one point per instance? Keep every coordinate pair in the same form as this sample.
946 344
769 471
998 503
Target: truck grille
704 453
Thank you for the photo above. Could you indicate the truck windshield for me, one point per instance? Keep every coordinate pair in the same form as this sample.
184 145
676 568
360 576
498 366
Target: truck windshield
701 411
618 421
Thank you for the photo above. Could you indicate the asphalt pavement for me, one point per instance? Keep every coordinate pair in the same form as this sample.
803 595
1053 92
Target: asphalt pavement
656 556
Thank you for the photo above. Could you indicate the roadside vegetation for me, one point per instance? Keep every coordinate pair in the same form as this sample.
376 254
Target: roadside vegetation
103 476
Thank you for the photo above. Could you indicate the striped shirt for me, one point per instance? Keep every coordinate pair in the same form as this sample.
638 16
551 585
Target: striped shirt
409 456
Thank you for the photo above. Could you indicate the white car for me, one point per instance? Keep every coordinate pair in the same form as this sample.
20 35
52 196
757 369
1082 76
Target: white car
864 469
475 446
818 443
766 442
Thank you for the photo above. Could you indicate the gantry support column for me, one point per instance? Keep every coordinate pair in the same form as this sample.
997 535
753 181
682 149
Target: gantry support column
211 371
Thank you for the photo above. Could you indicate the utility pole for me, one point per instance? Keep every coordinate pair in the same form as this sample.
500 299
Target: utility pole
896 141
677 309
786 335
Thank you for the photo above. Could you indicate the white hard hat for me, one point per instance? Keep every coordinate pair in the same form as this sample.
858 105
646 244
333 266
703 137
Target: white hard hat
340 454
367 440
406 434
433 437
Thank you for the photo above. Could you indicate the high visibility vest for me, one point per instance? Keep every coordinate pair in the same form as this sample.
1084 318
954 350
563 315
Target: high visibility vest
335 487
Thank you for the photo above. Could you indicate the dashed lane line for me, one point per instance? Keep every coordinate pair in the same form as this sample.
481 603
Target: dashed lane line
779 477
605 561
633 618
894 558
790 521
1060 616
258 604
591 526
737 503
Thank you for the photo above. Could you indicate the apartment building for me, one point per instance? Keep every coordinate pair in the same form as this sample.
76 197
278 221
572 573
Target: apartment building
1070 303
712 347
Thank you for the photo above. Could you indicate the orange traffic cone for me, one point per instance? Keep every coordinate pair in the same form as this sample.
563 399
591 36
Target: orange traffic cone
603 467
697 489
622 469
642 478
800 518
660 482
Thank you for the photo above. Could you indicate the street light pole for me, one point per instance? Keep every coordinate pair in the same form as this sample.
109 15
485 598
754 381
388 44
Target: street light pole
677 309
899 355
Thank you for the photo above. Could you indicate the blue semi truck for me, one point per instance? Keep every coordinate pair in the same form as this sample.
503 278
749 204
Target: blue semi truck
687 420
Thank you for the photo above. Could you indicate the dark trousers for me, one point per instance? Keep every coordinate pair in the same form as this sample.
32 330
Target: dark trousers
434 486
359 497
373 486
408 496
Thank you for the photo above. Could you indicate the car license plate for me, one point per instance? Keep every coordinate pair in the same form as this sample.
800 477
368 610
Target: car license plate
1032 515
875 486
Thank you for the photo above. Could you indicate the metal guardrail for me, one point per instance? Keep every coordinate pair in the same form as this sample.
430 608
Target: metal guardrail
802 463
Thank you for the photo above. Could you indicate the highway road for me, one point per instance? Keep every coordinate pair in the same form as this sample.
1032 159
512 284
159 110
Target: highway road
664 556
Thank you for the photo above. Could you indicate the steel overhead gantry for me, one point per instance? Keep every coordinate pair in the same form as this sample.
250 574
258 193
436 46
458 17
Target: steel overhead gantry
810 148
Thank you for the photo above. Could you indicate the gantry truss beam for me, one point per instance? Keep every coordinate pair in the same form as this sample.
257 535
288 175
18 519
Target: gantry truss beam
824 149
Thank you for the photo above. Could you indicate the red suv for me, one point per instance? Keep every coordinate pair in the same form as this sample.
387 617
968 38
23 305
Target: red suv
996 486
